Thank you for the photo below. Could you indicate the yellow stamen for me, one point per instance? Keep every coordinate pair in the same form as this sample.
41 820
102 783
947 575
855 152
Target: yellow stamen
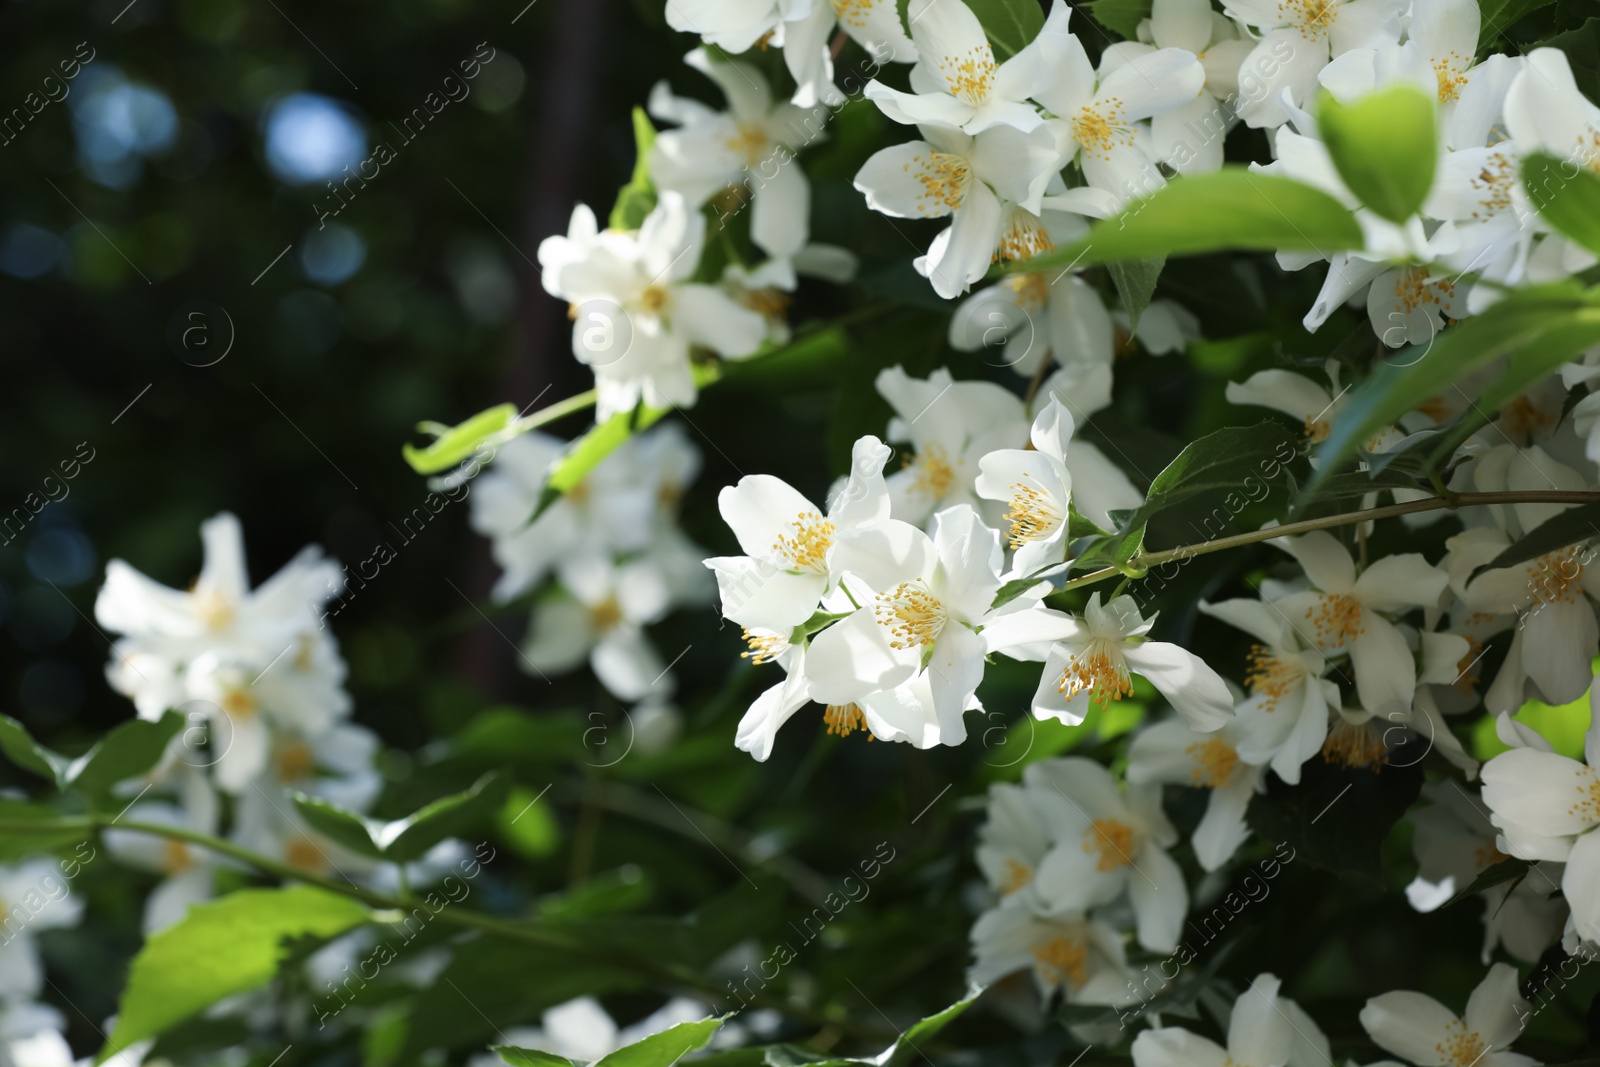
1451 72
1063 960
1271 677
238 703
1098 670
1034 516
175 858
1557 577
295 762
844 719
1349 745
606 614
1214 762
1100 127
912 615
971 76
1336 618
1017 876
944 179
1461 1047
807 547
750 142
1314 18
1112 841
764 648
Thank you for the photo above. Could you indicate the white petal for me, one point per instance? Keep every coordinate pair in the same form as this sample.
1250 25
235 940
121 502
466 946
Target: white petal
1410 1025
852 658
1159 897
1193 689
1259 1032
1496 1009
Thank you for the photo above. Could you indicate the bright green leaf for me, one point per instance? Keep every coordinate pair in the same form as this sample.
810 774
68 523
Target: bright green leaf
532 1057
129 750
1566 195
1233 208
452 444
590 450
339 825
1384 146
665 1048
527 825
638 198
219 949
1135 280
407 839
25 752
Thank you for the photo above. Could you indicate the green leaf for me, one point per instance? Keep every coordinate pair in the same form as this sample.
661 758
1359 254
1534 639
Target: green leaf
1121 17
638 198
25 752
1011 25
339 825
1581 523
129 750
1233 208
1500 15
28 829
1567 196
452 444
590 450
407 839
1413 375
665 1048
905 1050
1224 461
1582 48
1495 874
1337 818
1384 146
1135 280
1360 483
532 1057
219 949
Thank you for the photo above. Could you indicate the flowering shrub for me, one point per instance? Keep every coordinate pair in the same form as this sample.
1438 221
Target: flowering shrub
1199 510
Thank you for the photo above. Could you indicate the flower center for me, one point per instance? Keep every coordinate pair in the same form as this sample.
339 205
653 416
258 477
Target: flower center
654 299
1557 577
764 648
1317 429
1415 287
213 609
1034 515
935 474
303 854
1522 418
1336 619
844 719
1099 127
1112 841
749 142
1587 806
1466 678
1350 745
854 12
1214 762
1032 289
175 858
295 762
1098 670
807 547
1452 74
1314 18
769 303
1062 959
944 179
606 614
1017 876
238 703
1271 677
913 615
970 76
1023 238
1461 1047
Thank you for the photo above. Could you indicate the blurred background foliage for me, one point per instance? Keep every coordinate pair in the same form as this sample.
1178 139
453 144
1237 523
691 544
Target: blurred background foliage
185 170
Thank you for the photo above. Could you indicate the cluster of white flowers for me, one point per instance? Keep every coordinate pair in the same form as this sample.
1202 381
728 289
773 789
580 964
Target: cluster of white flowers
258 678
613 548
34 896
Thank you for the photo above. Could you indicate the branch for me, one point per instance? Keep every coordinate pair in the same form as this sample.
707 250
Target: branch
1143 561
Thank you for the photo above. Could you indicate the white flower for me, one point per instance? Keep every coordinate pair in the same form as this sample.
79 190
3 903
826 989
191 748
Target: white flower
873 24
1173 753
1107 843
1028 318
186 869
1420 1029
950 427
1093 661
1343 613
1012 840
34 896
1546 807
1098 117
733 25
1081 957
788 541
753 142
929 598
957 83
581 1030
962 177
601 619
1299 37
1266 1030
636 314
1454 842
30 1036
1545 111
758 728
1037 485
1284 721
1190 138
220 614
